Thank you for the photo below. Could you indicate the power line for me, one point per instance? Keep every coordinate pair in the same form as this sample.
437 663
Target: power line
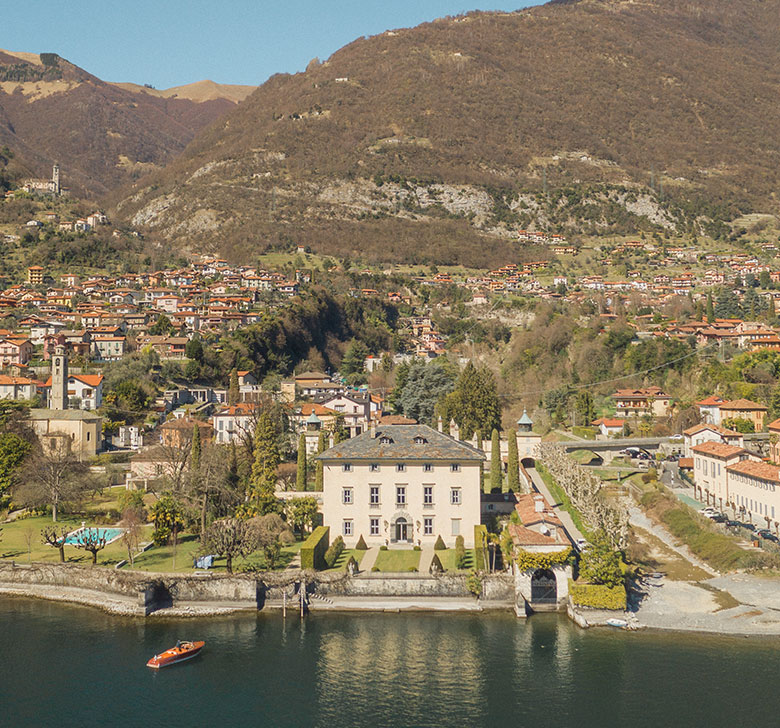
695 352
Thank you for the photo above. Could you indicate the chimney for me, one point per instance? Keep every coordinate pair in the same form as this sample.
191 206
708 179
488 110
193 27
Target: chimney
440 424
538 504
454 430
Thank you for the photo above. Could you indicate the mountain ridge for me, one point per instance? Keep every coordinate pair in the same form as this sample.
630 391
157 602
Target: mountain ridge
102 135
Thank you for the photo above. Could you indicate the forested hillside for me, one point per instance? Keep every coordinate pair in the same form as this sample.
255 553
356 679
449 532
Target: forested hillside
436 142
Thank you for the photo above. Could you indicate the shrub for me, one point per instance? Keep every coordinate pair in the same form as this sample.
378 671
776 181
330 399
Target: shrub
334 551
474 583
374 568
417 548
314 548
383 548
439 545
480 553
436 567
412 568
597 596
361 544
460 553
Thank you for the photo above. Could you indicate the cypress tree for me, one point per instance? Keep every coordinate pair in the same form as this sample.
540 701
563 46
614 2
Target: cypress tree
321 445
267 459
513 465
496 477
233 391
710 309
300 476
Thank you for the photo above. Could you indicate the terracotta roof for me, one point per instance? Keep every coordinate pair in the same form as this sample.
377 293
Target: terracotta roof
774 425
717 449
743 405
608 422
522 536
396 420
91 380
711 401
686 463
242 408
308 408
764 471
526 509
6 380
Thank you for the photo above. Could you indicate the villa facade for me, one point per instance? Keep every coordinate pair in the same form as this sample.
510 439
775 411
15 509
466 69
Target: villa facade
402 484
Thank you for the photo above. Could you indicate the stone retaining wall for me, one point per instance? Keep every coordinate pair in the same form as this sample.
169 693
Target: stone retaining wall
151 592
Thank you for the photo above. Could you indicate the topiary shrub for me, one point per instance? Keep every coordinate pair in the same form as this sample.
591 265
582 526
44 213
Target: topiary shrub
334 551
417 548
439 545
460 553
480 550
412 568
436 567
383 547
374 568
361 544
314 548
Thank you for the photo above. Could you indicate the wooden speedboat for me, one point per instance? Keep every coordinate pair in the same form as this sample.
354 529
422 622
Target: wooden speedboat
182 651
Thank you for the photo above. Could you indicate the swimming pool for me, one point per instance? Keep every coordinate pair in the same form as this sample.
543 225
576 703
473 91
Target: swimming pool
110 534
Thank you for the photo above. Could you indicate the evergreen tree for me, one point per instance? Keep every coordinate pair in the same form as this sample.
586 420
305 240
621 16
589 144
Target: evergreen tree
474 403
195 450
322 444
727 304
586 412
513 464
234 392
300 476
340 431
710 309
267 459
354 358
496 477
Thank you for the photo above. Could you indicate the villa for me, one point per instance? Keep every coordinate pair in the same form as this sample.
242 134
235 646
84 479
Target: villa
402 484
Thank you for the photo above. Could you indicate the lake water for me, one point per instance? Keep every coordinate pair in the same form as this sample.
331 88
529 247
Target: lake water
66 665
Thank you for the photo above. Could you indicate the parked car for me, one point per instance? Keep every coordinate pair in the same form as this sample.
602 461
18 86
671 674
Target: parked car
720 518
748 526
768 535
676 438
733 524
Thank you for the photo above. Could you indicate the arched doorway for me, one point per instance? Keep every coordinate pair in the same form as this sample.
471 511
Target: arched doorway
544 587
401 530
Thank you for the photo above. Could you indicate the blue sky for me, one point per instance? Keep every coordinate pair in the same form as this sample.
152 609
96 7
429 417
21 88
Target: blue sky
171 42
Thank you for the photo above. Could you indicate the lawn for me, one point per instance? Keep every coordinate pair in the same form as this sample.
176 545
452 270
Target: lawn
448 560
397 560
562 498
161 558
14 543
341 562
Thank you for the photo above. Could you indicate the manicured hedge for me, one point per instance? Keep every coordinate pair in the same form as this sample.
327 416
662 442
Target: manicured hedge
333 552
597 596
480 541
314 548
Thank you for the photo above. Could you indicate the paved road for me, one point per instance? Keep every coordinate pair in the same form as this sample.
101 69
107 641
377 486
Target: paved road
572 530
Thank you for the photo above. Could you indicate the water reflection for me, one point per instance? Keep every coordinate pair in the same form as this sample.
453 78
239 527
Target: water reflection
374 670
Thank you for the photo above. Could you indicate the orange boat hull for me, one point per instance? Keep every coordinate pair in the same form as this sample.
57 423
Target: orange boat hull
180 653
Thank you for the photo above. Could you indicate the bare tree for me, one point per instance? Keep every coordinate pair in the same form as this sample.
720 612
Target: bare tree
131 524
52 477
231 538
272 534
92 540
56 538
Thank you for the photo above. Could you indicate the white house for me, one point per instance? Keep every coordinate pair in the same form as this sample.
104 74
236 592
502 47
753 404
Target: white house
87 388
402 484
234 423
698 434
